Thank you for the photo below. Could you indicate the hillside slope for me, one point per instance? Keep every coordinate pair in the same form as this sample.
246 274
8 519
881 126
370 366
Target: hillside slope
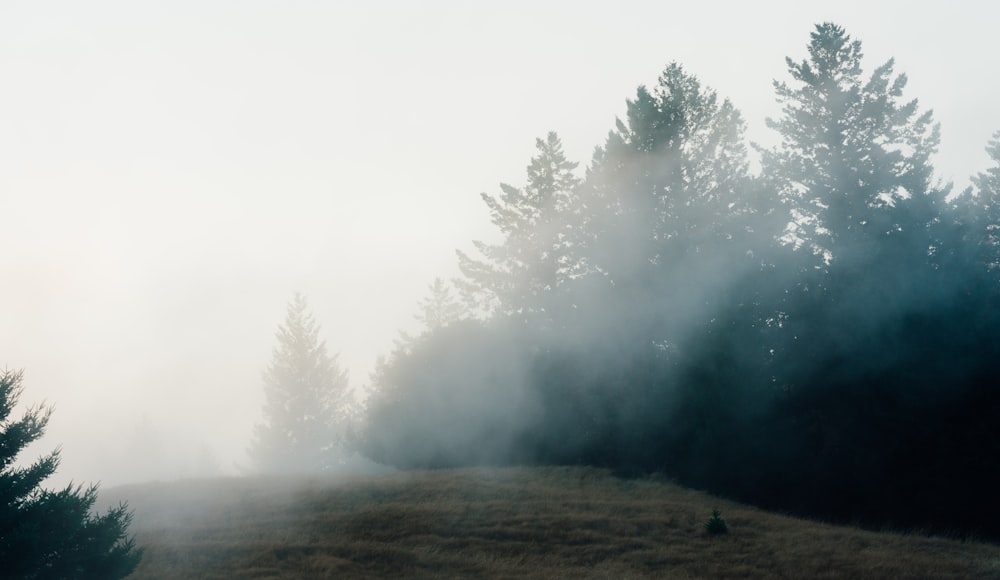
513 523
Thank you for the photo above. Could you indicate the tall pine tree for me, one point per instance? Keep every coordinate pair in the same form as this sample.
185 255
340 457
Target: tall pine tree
879 355
670 207
522 276
853 166
307 400
853 171
985 218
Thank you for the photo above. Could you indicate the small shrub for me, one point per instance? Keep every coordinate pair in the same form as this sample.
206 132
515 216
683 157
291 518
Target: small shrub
716 525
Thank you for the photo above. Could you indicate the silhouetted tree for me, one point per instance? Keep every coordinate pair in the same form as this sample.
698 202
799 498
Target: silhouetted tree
854 172
880 339
52 534
306 400
670 205
854 160
673 175
673 225
521 276
985 215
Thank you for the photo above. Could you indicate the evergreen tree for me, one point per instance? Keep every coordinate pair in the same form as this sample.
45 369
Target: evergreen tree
882 361
672 178
521 276
440 308
671 208
52 534
853 170
985 218
853 166
306 400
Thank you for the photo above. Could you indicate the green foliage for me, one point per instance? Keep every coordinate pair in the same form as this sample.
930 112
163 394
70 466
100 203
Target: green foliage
522 275
716 525
672 214
52 534
820 338
307 400
984 213
853 166
671 180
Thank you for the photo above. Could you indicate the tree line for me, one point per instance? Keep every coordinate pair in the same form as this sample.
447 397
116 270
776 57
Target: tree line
819 336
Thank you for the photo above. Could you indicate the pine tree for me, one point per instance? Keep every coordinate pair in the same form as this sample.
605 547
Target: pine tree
52 534
880 351
853 171
306 400
985 217
521 276
670 207
670 182
853 166
440 308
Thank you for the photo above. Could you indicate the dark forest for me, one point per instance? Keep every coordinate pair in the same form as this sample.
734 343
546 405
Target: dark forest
817 335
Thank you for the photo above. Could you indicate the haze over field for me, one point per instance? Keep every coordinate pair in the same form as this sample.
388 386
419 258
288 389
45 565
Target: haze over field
171 174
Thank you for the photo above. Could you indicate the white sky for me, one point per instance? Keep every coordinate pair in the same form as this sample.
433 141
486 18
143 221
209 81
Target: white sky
171 172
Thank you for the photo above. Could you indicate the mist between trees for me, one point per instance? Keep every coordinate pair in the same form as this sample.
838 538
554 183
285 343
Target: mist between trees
821 337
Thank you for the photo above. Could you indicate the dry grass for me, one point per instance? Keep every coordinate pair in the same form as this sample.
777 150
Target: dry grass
507 523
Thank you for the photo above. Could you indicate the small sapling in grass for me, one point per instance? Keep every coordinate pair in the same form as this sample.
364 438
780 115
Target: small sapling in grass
716 525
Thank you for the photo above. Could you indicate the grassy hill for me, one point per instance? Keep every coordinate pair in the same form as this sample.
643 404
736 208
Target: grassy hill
509 523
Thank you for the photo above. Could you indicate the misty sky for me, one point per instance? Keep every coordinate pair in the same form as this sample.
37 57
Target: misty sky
172 172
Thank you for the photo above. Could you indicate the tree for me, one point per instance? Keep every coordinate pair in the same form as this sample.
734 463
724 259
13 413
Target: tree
809 340
521 276
670 212
853 166
985 217
52 534
882 372
853 170
671 182
439 308
306 400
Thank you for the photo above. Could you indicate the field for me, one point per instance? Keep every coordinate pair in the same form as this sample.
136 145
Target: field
506 523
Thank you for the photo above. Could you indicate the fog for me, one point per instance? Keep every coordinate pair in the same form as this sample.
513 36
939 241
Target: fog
171 174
